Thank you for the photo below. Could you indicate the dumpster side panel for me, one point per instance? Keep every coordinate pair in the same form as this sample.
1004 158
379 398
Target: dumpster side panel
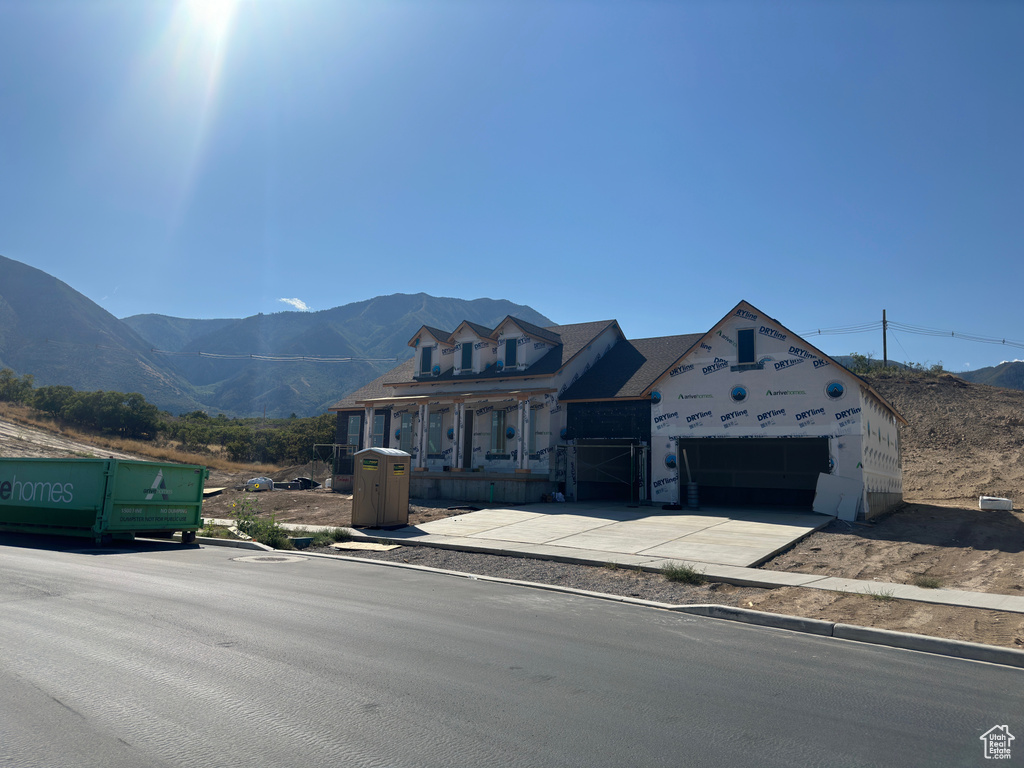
150 496
51 493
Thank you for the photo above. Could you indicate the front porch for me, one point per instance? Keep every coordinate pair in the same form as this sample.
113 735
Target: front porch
484 487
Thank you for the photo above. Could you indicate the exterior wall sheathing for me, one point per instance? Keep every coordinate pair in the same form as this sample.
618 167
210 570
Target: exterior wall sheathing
546 413
790 390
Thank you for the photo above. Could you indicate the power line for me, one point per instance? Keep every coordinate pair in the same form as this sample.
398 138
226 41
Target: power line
218 356
277 358
919 330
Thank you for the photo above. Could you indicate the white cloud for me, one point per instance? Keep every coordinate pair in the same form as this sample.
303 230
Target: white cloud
299 304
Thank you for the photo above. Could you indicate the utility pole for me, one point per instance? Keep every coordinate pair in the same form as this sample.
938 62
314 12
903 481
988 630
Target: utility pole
885 352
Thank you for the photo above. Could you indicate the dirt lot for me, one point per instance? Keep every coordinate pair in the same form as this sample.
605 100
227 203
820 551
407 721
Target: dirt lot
964 440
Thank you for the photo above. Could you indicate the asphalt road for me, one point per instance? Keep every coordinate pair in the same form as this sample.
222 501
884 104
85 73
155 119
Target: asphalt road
162 655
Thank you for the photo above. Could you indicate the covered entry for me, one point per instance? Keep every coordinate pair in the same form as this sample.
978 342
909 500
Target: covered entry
755 471
612 470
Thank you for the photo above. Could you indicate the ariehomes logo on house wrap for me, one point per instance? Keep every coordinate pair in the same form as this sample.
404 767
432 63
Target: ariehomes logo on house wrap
784 392
39 491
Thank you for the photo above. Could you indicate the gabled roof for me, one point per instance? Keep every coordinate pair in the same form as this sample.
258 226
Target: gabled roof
376 388
482 331
439 335
531 330
630 369
575 338
745 306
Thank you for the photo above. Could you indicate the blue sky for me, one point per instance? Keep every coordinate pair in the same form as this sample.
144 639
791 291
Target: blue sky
653 162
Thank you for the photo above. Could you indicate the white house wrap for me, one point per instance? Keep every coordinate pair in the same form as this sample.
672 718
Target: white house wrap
760 415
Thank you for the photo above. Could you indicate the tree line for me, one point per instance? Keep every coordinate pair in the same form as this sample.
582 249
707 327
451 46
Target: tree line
130 416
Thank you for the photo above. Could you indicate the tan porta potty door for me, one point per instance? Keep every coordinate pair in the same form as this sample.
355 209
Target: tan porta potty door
380 489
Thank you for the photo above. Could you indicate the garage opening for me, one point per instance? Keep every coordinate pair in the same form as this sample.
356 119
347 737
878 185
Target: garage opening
614 471
779 471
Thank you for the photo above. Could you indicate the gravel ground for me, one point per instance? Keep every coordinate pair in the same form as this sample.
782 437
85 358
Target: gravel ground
609 580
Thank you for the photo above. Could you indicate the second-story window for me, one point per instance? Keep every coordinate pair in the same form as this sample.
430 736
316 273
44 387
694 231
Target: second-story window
467 357
425 359
745 345
510 352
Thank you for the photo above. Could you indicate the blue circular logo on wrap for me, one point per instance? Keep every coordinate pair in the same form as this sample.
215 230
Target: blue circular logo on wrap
835 390
670 461
655 397
510 432
738 394
451 432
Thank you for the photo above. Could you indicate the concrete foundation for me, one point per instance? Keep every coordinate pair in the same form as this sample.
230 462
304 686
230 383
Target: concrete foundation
481 487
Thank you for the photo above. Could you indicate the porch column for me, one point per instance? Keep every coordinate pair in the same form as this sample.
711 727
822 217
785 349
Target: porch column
423 416
458 415
367 427
523 432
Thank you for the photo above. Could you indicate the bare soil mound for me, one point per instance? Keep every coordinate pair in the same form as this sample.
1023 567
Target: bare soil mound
964 440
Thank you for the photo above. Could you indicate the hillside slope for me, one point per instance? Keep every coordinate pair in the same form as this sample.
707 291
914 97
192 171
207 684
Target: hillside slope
53 332
1009 375
373 333
58 336
964 440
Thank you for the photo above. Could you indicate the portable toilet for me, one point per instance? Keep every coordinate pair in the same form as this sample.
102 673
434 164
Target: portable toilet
380 488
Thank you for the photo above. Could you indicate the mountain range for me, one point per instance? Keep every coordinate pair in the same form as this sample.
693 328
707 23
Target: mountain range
54 333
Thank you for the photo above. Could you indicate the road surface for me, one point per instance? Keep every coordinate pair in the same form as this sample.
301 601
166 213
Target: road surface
162 655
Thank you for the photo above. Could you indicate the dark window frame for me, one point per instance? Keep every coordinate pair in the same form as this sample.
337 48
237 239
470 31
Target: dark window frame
746 352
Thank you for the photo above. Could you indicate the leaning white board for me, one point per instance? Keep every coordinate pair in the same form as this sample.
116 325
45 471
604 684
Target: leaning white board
837 496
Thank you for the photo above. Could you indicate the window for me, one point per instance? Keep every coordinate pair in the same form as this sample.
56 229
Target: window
355 424
510 352
467 357
405 439
497 431
434 435
379 427
425 359
745 344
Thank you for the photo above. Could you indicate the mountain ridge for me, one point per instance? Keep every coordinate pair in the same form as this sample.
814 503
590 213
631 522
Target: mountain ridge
59 336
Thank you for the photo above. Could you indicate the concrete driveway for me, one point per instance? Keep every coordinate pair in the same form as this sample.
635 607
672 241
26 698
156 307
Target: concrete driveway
613 532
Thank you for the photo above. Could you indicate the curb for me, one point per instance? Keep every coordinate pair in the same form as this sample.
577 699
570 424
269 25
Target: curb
960 649
236 543
760 618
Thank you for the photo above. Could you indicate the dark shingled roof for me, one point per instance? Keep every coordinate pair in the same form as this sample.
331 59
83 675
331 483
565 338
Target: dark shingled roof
535 330
630 367
480 330
575 338
437 333
376 387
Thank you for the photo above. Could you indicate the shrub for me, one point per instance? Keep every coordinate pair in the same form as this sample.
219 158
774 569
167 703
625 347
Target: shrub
264 530
683 573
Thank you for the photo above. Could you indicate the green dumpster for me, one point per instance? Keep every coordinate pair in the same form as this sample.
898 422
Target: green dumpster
101 499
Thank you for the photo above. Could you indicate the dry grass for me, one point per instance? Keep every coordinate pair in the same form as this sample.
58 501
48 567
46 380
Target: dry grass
157 450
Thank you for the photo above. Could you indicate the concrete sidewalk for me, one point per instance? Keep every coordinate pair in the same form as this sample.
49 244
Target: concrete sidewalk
723 544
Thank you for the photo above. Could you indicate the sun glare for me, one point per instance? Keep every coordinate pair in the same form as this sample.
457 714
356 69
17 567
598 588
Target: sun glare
212 17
